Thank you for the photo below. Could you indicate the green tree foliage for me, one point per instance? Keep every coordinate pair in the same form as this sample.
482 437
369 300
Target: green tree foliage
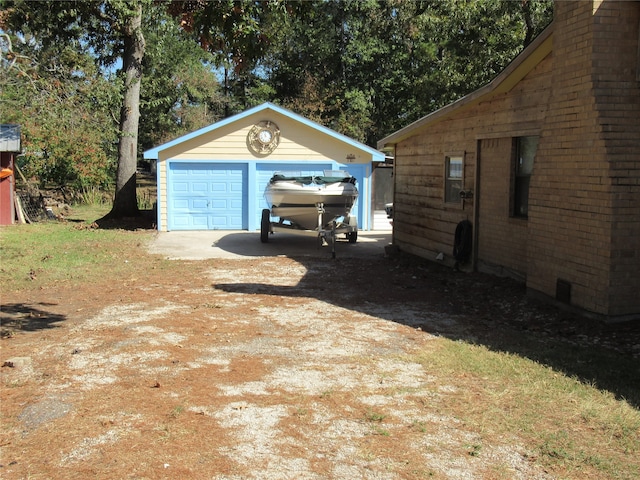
110 30
60 84
61 102
180 91
469 43
307 65
364 68
234 32
370 67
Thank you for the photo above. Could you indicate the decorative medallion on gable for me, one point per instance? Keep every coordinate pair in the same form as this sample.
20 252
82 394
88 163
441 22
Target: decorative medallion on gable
264 137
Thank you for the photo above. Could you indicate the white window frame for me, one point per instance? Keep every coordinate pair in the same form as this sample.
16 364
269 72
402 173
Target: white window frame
453 179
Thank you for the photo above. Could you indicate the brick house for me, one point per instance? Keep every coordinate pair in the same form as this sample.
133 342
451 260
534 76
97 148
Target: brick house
547 157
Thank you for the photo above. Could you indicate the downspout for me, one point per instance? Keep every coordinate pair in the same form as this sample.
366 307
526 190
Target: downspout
393 172
476 209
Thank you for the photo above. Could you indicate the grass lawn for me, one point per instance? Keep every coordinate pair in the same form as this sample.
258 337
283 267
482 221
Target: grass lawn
71 251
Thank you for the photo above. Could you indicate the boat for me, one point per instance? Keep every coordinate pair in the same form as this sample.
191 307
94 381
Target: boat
311 202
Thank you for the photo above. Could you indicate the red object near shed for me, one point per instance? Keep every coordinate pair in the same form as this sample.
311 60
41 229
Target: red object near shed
9 149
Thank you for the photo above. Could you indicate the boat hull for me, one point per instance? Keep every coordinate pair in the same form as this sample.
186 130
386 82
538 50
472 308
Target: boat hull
301 203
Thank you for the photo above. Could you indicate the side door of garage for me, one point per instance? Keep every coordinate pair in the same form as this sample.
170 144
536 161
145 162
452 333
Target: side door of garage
207 196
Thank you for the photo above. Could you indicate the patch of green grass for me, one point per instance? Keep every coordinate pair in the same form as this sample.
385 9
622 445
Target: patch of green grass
375 419
474 450
326 393
88 212
301 412
95 198
570 426
378 430
418 426
71 252
145 200
177 411
372 416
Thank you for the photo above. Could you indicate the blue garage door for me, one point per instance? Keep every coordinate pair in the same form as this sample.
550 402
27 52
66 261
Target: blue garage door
207 196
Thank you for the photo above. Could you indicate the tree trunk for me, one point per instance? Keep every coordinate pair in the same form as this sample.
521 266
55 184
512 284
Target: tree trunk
528 23
125 203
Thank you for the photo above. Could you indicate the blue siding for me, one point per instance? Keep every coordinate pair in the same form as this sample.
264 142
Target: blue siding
359 171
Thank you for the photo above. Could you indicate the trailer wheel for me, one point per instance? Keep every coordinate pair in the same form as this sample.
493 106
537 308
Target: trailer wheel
352 236
265 225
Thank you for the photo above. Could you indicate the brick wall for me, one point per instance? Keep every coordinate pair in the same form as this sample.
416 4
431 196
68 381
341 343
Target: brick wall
578 216
424 224
583 228
617 95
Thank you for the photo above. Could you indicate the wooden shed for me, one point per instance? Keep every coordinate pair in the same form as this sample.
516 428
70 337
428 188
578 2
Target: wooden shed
544 162
9 149
214 178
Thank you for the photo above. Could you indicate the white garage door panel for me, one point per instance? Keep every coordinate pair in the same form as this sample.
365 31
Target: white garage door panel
205 196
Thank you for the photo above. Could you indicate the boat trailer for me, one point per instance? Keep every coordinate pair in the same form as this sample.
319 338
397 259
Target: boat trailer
348 227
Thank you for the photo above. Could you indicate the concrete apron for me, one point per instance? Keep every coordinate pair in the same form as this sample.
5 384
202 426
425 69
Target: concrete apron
203 244
199 245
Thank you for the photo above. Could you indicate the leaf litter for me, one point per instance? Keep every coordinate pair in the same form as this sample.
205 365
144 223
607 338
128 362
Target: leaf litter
243 369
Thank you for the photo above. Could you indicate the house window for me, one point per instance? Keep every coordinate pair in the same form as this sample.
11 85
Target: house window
453 179
525 152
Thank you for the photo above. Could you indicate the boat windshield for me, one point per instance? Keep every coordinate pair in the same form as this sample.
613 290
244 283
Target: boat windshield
329 176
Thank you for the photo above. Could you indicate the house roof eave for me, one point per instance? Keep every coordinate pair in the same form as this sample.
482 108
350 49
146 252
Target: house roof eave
519 67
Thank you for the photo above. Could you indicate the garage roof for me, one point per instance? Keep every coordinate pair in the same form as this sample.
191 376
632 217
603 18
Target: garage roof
376 156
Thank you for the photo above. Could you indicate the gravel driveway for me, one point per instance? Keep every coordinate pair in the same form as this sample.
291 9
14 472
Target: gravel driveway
247 367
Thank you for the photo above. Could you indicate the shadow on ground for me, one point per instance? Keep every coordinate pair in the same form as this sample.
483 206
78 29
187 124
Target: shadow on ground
16 317
475 308
205 244
145 220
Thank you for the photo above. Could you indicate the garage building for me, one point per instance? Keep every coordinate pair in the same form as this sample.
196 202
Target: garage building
214 178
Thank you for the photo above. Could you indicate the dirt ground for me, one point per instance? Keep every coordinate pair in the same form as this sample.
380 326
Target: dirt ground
271 368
